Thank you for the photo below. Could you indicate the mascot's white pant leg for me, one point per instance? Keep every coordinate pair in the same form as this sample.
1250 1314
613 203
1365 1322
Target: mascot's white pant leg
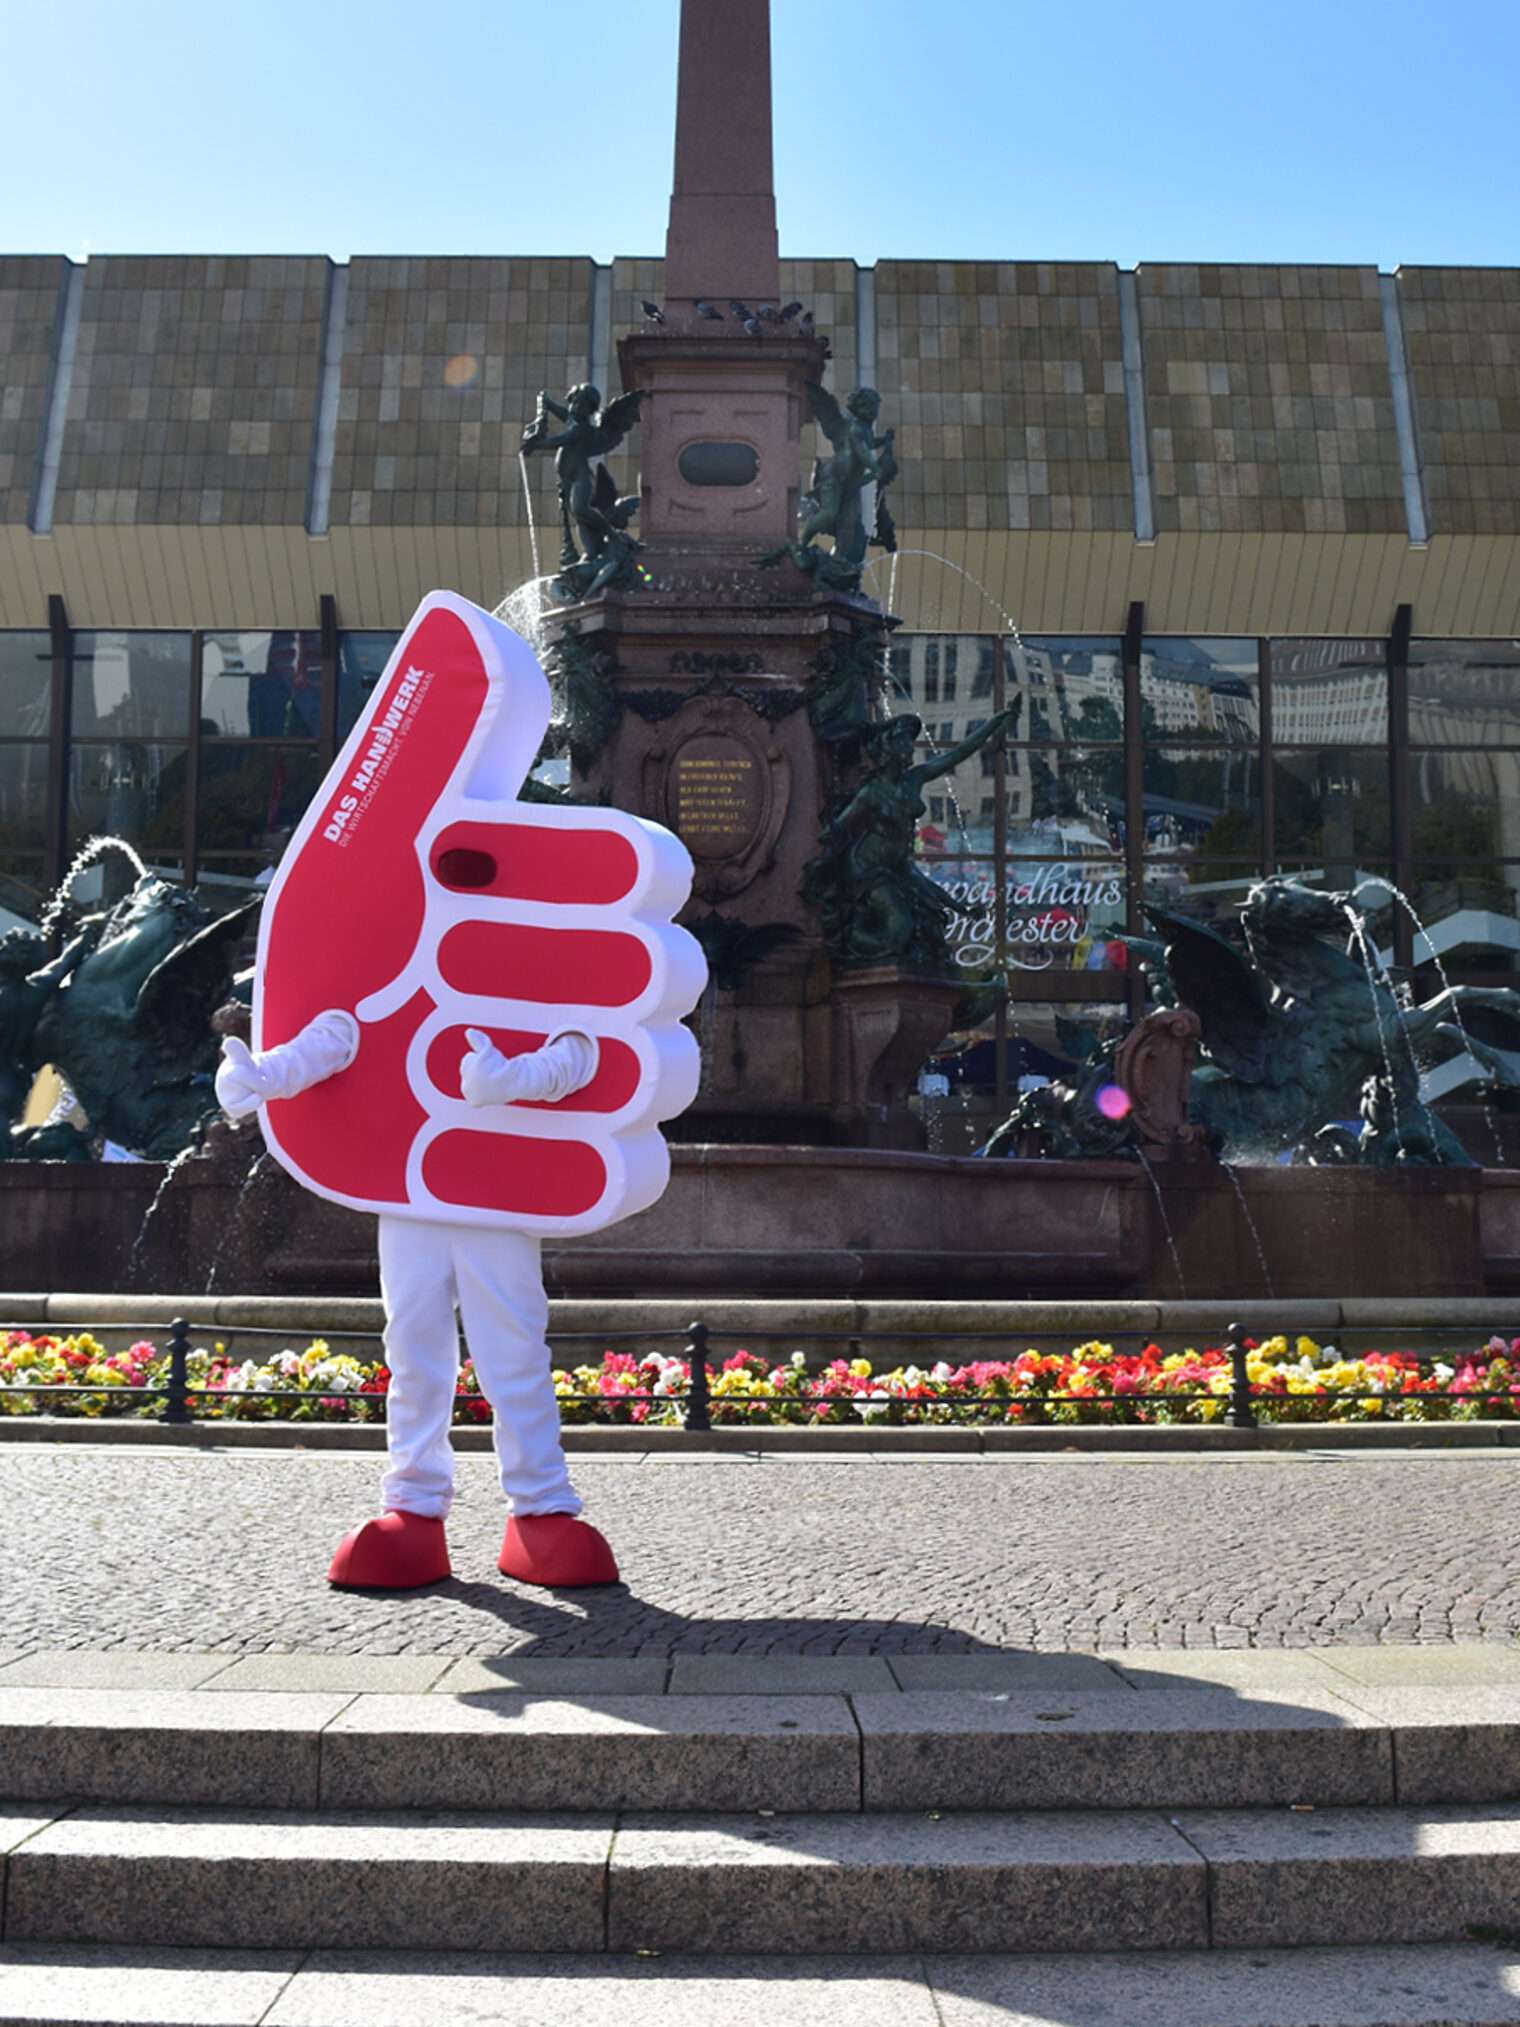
497 1280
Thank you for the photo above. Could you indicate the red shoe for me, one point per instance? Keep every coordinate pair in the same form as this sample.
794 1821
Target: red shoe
397 1552
557 1551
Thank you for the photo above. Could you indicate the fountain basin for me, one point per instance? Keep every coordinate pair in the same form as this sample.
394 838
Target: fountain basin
807 1221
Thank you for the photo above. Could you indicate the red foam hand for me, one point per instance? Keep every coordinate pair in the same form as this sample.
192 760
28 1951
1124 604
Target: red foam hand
419 895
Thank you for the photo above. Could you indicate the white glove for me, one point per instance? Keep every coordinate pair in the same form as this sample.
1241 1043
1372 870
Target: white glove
487 1077
245 1081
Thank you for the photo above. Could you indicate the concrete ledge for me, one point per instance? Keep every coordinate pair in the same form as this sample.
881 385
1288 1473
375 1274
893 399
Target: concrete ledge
1427 1985
264 1880
730 1318
838 1440
504 1751
721 1885
176 1746
1356 1875
1016 1749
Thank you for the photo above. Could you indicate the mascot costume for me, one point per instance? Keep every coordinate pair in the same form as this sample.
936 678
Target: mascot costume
467 1019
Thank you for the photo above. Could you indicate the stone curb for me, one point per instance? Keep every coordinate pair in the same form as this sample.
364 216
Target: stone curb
836 1442
1416 1985
720 1884
822 1328
812 1742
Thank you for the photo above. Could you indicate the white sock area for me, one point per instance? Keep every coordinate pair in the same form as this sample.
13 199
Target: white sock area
497 1280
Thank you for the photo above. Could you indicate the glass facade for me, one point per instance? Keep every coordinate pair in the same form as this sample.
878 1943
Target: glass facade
1464 803
202 750
1306 756
1175 779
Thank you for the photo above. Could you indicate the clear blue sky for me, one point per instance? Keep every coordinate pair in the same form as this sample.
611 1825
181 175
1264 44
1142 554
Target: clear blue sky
1302 130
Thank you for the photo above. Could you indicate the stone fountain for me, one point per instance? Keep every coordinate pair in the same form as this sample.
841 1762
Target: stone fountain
721 671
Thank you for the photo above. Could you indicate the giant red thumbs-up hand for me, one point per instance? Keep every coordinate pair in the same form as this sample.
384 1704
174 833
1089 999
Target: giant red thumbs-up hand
420 896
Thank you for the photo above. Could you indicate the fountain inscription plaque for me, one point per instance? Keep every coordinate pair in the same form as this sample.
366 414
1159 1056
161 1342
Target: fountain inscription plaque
720 796
721 782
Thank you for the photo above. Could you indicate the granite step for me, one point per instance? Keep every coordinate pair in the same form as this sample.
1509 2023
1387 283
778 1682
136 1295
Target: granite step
758 1883
1429 1985
1091 1737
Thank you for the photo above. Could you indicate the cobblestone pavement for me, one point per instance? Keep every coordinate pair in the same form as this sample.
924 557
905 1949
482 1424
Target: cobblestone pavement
185 1551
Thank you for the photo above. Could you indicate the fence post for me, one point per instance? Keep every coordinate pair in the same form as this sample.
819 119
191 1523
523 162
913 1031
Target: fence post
177 1407
1242 1414
697 1395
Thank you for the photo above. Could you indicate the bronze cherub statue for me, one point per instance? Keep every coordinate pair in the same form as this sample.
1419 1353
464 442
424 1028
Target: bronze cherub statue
588 500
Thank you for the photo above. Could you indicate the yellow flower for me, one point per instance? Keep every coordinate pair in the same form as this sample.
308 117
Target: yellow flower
860 1368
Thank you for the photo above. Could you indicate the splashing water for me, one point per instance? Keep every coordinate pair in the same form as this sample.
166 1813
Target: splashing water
1245 1212
933 556
524 610
134 1258
1381 885
527 493
1166 1224
88 855
256 1167
707 1033
1377 974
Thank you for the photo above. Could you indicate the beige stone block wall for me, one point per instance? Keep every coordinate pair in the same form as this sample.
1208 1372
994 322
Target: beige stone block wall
1006 380
194 391
1270 401
443 362
29 286
1463 332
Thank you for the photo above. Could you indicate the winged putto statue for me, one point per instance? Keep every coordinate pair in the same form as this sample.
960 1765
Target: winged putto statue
589 505
835 506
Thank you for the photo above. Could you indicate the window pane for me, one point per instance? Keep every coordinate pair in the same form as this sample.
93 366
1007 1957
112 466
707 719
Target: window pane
1063 914
131 685
361 663
26 676
1045 1038
225 880
1332 808
261 685
1464 692
1203 802
935 668
1465 805
23 797
1210 890
252 797
131 791
1064 800
1072 687
21 890
1469 916
1329 692
1203 689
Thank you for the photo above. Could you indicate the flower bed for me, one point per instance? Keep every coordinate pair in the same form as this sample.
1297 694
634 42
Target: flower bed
1297 1382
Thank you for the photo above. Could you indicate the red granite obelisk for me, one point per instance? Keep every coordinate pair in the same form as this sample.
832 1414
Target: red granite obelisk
709 661
720 399
722 238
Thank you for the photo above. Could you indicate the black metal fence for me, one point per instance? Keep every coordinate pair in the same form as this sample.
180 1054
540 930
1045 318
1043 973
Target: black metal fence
184 1401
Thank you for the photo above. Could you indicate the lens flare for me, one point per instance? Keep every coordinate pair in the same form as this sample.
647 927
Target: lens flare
1112 1101
461 370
